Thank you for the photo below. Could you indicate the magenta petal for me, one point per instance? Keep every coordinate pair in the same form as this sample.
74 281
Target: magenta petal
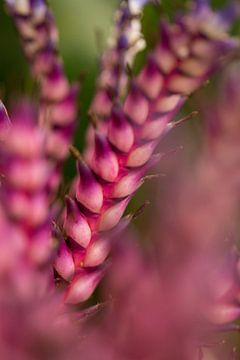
89 192
75 224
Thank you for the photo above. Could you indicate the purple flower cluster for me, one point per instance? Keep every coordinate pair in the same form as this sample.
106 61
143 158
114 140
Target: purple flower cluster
173 300
57 115
24 187
120 152
124 43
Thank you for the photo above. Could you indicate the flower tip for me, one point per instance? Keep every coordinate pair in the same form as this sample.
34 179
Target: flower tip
89 192
82 287
5 122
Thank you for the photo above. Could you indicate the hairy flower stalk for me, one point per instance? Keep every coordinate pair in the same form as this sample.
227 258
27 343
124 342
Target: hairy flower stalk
116 162
39 36
24 189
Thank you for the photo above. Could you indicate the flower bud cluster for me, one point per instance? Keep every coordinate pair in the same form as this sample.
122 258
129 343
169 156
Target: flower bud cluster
118 157
205 213
39 36
187 287
26 173
126 40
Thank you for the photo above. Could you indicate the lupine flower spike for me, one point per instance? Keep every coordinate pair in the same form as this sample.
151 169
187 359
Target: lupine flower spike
117 159
185 291
32 325
124 43
193 250
216 172
39 36
24 190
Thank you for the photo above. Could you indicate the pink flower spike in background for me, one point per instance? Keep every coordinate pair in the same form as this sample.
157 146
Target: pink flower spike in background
26 173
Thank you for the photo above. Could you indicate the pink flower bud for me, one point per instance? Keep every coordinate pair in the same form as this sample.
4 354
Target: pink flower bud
88 191
97 252
43 62
127 184
104 161
168 103
54 180
30 208
25 141
39 10
179 42
55 86
41 245
64 111
38 209
29 175
112 215
58 143
82 287
223 313
165 59
78 254
136 106
150 80
153 129
63 263
75 224
182 84
203 48
140 155
194 67
120 132
22 7
102 103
